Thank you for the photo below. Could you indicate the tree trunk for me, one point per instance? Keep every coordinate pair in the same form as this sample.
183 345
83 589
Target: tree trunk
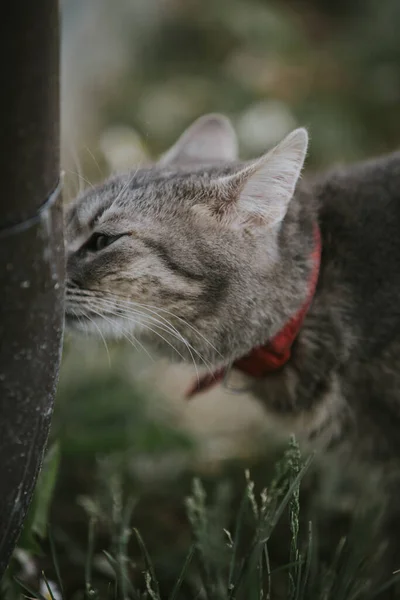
31 249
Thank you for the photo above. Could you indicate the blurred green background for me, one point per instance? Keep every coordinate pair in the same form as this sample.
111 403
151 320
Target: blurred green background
135 73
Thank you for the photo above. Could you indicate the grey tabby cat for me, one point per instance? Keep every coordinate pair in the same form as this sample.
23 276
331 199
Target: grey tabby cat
213 257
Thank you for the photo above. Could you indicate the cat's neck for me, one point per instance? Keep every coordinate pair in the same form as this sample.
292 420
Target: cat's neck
276 352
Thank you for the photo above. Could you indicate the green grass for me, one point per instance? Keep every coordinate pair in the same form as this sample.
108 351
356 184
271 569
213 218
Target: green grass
123 510
226 555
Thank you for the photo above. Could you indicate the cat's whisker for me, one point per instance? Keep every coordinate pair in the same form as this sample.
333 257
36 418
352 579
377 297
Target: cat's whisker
154 322
80 319
94 160
102 337
149 328
163 328
151 309
184 322
167 327
160 323
80 179
194 329
154 310
134 341
78 171
131 338
125 187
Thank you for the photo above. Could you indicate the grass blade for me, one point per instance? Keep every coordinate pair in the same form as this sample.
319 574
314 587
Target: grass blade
268 565
29 590
112 562
115 567
89 557
238 529
48 586
384 587
307 568
148 563
55 562
284 502
182 574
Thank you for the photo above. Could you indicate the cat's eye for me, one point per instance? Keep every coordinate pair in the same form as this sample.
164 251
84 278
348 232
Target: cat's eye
102 241
98 241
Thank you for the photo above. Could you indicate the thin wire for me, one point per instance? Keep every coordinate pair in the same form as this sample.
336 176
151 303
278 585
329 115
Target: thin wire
35 219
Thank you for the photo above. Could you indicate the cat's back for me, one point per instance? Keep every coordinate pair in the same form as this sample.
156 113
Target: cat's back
361 192
359 212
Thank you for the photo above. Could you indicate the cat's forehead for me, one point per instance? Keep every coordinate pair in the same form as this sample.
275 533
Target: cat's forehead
84 212
141 192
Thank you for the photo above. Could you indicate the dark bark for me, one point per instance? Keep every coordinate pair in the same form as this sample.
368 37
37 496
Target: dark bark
31 247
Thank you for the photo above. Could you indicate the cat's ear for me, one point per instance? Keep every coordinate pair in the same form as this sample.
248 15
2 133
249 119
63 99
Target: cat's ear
209 139
260 193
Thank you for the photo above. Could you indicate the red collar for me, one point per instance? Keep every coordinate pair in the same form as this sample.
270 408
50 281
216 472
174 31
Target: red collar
275 353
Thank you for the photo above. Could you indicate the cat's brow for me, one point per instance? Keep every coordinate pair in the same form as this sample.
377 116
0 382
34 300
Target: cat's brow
97 215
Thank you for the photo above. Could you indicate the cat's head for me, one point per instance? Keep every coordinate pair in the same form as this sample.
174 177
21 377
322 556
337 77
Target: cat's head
198 252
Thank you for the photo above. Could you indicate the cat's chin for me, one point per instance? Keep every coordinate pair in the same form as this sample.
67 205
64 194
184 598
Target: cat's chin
175 351
94 326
